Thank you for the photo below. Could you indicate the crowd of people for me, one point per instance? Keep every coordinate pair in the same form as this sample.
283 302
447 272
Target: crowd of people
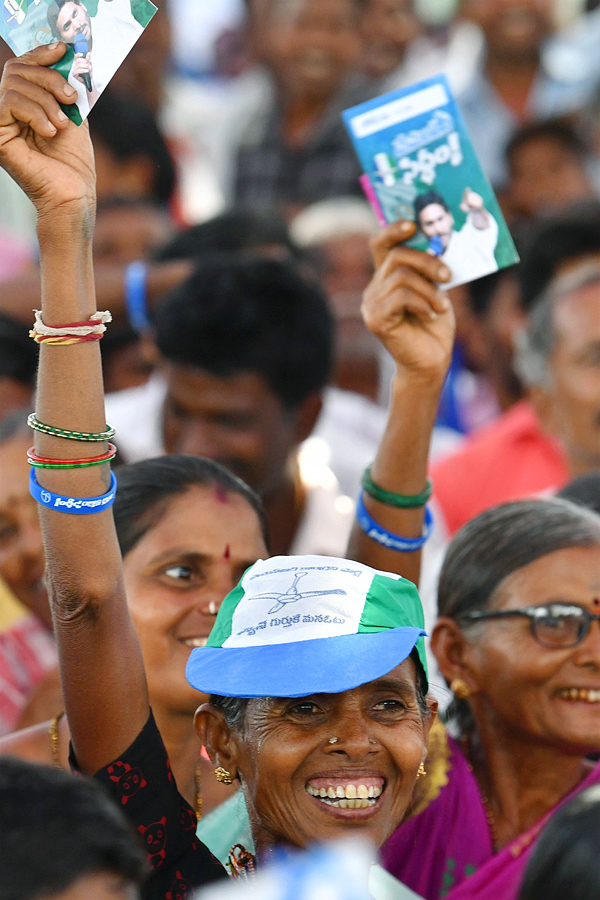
339 574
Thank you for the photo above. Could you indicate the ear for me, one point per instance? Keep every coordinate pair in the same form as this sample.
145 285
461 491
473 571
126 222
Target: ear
306 415
215 734
452 651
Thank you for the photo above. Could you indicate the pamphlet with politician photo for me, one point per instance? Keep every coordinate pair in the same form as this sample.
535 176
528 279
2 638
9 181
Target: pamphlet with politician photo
419 164
99 34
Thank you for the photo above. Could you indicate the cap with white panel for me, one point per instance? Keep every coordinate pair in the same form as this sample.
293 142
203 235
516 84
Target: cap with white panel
300 625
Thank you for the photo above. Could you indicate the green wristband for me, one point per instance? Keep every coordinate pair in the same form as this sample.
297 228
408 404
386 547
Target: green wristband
73 465
400 501
95 437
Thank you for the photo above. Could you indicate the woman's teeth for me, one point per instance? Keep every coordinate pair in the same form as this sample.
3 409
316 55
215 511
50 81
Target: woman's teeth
195 642
350 796
582 694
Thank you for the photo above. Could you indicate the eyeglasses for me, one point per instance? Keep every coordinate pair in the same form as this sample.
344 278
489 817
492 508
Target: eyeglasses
554 625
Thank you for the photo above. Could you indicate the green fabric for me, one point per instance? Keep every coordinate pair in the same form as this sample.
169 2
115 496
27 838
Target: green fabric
221 630
225 826
384 609
64 67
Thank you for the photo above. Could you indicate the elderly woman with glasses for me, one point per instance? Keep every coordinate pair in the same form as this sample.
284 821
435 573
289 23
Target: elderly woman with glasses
518 641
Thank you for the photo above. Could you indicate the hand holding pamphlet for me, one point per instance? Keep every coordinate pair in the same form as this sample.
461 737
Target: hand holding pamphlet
419 164
99 34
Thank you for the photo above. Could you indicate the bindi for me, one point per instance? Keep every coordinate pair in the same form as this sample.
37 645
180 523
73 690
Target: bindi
596 601
227 554
221 494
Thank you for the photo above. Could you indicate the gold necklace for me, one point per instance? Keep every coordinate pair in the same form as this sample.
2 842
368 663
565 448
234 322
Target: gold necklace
54 740
487 806
198 780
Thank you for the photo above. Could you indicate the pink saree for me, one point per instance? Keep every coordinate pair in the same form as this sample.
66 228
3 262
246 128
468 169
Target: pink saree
445 849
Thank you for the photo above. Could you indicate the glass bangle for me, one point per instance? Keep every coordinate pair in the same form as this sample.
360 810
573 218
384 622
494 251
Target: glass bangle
400 501
92 436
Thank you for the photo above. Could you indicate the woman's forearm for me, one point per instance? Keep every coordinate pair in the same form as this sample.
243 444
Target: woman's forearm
400 466
101 668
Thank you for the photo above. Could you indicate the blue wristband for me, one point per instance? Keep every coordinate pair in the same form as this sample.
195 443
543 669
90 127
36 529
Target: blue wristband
74 506
136 276
387 538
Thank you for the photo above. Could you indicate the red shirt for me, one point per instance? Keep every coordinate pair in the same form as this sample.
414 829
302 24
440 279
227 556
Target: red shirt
509 459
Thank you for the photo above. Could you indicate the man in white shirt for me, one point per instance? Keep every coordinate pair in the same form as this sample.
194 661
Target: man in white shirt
468 253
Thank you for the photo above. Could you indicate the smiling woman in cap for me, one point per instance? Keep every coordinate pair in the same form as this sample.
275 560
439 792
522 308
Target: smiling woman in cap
333 731
315 666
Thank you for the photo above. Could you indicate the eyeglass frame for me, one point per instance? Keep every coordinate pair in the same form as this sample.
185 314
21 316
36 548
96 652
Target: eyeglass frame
540 612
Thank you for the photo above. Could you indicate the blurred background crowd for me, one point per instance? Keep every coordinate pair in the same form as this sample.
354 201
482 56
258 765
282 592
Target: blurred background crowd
221 153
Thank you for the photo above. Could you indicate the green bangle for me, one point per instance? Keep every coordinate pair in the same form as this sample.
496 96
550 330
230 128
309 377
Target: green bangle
73 465
95 437
401 501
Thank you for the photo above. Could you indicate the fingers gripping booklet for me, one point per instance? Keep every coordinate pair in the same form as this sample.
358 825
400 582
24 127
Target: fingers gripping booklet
99 34
419 164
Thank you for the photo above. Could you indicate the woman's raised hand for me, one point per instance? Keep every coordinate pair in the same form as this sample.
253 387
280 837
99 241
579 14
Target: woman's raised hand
404 307
49 156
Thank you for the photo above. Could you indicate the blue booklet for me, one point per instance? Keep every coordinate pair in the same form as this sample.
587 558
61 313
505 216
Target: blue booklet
420 164
99 34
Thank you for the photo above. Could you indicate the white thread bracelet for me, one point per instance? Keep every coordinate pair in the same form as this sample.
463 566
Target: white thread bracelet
97 325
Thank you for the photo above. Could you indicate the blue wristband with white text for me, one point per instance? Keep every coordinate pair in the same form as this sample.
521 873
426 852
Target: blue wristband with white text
74 506
388 539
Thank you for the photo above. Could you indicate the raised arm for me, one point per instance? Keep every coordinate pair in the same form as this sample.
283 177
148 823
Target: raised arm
102 672
414 320
21 293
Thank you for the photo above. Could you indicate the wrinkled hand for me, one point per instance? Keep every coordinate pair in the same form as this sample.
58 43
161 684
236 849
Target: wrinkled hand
47 155
404 307
471 202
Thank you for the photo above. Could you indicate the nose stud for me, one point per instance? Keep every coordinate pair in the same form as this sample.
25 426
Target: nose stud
372 741
332 741
212 608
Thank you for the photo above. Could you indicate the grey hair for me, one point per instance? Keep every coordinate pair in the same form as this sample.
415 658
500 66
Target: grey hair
535 343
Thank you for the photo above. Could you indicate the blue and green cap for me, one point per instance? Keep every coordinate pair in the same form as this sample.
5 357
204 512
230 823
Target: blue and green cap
300 625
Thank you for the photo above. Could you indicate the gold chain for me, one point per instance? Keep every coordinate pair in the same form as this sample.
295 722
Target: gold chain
55 740
487 806
198 780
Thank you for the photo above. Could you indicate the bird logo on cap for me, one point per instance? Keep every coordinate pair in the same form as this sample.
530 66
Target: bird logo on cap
292 595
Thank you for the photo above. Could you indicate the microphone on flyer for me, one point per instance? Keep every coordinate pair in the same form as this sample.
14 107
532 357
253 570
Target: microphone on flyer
81 45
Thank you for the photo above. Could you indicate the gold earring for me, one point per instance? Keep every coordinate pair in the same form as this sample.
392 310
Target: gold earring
421 771
223 775
460 689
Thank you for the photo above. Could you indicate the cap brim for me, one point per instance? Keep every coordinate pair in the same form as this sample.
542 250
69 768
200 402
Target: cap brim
321 666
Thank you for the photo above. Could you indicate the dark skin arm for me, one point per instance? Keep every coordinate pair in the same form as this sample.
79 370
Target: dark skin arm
414 320
102 673
21 294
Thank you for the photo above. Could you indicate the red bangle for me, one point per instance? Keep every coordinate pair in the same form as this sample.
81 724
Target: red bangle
104 457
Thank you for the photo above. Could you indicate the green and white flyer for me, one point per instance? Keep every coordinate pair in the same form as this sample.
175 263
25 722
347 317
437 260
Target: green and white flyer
420 164
99 35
